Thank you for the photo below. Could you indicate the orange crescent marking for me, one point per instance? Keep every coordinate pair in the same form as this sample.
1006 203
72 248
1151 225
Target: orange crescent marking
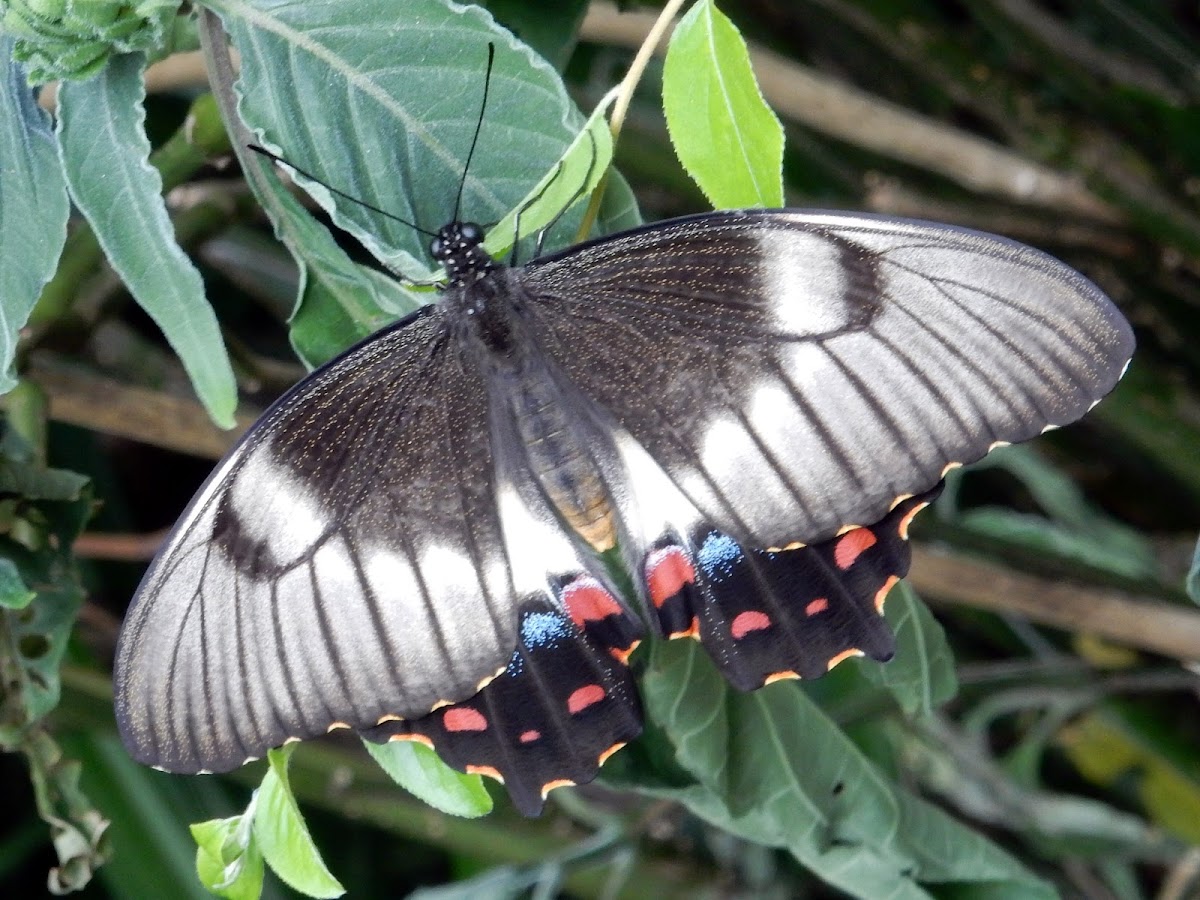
881 596
557 783
780 676
692 631
415 738
622 656
486 770
843 656
907 519
609 752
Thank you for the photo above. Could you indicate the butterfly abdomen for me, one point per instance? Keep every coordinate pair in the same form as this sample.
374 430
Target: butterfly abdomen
560 461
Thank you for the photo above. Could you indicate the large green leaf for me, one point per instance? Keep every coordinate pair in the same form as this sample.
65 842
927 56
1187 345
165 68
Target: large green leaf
105 156
552 29
921 675
341 301
771 767
386 114
33 214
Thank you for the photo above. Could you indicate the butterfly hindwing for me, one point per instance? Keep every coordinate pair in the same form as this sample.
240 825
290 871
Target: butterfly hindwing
793 373
769 614
565 702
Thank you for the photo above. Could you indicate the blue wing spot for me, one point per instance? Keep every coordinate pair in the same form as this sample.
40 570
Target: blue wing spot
540 630
545 629
719 556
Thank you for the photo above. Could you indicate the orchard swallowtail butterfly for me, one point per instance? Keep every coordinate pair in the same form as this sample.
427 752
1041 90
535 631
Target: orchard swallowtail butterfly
748 406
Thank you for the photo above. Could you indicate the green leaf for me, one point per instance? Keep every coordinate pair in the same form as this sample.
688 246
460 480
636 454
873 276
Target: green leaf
726 136
1072 528
13 592
37 541
1121 745
772 768
573 177
921 675
329 93
1192 582
340 302
283 837
228 860
420 771
34 482
105 153
552 29
33 216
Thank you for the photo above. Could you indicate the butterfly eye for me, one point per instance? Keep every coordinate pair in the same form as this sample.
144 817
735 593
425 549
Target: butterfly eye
471 233
437 248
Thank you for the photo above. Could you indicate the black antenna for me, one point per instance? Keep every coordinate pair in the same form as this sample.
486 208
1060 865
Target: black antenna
487 83
274 157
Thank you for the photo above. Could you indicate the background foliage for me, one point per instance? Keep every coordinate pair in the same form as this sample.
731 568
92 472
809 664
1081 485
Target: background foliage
1058 752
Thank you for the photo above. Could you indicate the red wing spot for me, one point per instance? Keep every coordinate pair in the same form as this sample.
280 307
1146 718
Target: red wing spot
843 656
667 571
463 718
907 520
746 622
586 600
584 697
883 592
817 606
851 546
528 737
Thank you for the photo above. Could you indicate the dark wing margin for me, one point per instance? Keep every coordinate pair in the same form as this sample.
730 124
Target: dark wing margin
323 574
794 373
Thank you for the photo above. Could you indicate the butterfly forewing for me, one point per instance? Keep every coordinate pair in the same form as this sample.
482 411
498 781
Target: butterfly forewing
325 573
794 373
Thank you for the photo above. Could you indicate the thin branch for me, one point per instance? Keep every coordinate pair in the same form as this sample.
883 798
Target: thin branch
91 401
1137 622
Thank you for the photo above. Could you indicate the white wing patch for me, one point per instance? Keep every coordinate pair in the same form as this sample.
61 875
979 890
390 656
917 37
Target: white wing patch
805 277
275 507
659 506
536 544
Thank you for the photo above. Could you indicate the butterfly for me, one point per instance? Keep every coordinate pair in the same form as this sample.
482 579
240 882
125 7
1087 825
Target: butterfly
747 408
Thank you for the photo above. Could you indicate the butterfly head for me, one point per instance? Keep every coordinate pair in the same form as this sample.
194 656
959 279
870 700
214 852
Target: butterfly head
459 248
